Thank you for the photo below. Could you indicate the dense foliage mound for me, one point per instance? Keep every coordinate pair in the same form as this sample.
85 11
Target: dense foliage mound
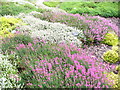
16 8
49 65
94 27
105 9
53 49
7 25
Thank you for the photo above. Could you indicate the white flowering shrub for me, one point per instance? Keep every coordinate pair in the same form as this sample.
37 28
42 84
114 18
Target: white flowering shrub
8 74
53 32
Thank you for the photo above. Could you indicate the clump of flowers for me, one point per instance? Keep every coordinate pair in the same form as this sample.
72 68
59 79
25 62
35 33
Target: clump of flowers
94 27
53 32
62 66
111 56
8 23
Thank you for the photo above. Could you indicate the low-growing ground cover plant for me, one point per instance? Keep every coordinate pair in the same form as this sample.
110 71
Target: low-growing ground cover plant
115 78
94 27
46 65
49 31
31 62
105 9
111 56
11 42
8 24
51 4
110 39
13 8
8 74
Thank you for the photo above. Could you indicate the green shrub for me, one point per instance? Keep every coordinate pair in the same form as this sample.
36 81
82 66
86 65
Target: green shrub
14 8
111 56
110 39
105 9
51 4
118 69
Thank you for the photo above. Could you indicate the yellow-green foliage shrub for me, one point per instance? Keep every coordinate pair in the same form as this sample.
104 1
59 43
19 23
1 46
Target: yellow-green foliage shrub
110 39
115 48
111 56
7 25
118 67
114 78
5 33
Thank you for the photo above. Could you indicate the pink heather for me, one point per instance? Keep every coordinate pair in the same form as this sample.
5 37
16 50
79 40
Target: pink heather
40 86
29 84
88 72
30 44
17 32
21 46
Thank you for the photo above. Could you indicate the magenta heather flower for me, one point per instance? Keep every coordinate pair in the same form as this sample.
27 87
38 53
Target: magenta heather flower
17 32
94 27
77 69
21 46
40 86
30 44
29 84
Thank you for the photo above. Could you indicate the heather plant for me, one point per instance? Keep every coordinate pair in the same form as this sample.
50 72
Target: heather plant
110 39
51 4
64 66
5 33
13 8
9 44
8 74
104 9
94 27
115 78
53 32
115 48
111 56
7 25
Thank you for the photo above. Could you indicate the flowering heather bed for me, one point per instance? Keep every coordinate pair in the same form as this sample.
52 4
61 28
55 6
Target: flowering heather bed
38 55
53 32
50 65
94 27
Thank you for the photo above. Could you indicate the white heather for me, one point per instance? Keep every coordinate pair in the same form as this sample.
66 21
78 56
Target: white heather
53 32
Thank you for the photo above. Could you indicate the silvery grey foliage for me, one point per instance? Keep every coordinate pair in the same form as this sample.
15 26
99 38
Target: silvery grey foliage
53 32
